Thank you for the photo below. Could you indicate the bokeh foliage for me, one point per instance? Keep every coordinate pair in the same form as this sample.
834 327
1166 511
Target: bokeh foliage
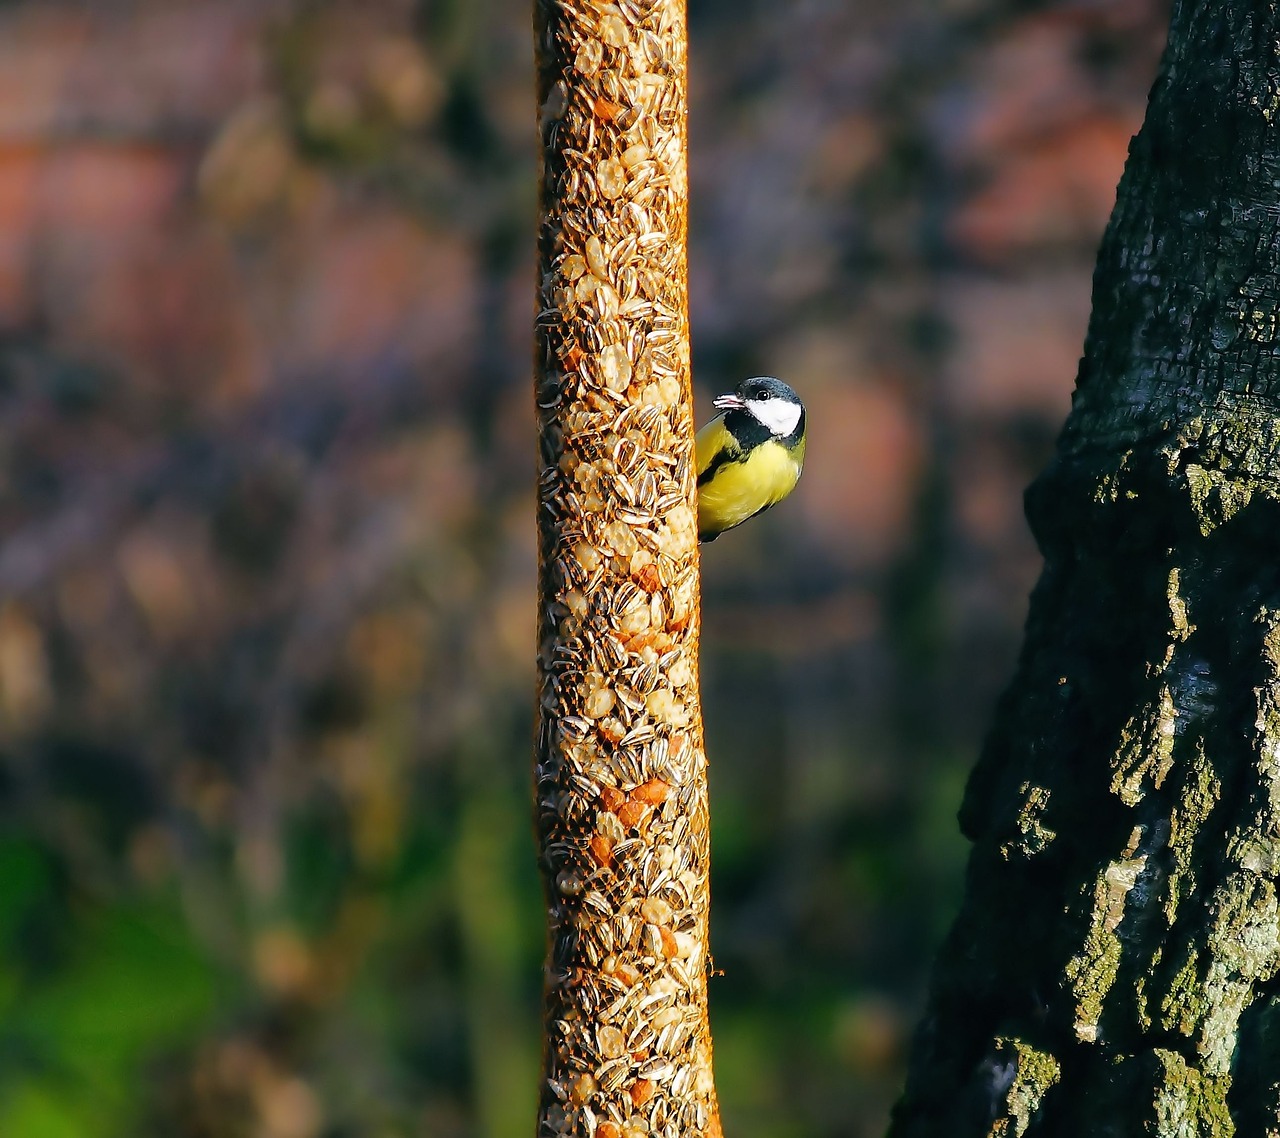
266 540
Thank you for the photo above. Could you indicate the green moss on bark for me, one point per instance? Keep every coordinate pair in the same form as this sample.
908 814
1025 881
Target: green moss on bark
1189 1104
1035 1073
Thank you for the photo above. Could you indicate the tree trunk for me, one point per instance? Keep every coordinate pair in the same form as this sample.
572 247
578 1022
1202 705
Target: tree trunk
1113 970
621 773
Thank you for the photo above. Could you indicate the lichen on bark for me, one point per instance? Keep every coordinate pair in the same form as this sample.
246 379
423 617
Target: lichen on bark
1121 916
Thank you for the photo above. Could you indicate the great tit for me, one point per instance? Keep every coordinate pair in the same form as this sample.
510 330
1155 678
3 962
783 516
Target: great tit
749 457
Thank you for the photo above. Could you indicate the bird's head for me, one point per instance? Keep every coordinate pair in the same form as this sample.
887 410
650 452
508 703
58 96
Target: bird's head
767 400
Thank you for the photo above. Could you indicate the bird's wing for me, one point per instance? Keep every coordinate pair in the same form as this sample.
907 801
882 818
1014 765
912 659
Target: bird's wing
715 446
797 455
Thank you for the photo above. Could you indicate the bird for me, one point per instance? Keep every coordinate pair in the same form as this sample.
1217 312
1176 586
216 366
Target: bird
750 456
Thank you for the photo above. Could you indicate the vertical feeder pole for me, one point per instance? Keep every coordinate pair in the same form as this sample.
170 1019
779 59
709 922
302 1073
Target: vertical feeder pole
621 771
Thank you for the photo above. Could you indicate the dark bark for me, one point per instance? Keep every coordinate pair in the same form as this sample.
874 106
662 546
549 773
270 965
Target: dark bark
1113 970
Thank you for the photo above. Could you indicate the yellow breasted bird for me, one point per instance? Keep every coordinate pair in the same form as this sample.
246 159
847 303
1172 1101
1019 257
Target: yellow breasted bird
749 457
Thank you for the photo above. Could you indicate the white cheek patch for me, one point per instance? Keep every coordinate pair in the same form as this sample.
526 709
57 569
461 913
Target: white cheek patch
779 415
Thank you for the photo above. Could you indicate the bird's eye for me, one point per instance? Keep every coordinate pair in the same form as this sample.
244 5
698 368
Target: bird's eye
765 395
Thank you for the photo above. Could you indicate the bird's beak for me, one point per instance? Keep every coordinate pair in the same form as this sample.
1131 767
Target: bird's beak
729 402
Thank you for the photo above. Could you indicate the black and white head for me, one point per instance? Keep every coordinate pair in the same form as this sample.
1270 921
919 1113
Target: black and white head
767 400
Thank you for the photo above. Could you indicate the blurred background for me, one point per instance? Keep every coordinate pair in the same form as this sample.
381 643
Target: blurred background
266 542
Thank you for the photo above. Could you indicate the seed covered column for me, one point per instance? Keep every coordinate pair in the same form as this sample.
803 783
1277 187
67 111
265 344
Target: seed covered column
621 772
